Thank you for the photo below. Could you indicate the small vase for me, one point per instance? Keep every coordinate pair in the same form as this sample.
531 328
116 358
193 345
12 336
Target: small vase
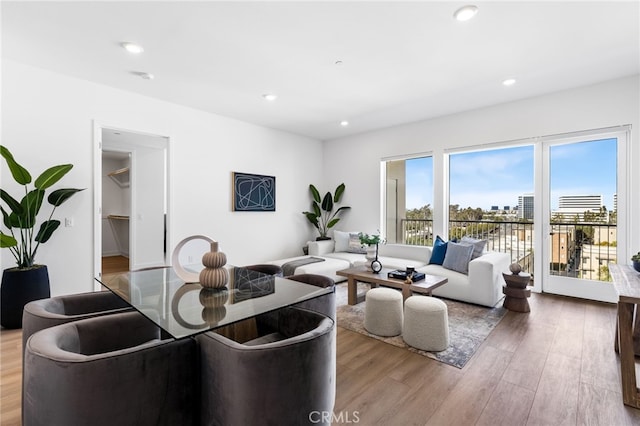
371 255
214 275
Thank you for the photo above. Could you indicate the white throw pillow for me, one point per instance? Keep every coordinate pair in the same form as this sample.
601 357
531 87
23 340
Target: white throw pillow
341 240
355 246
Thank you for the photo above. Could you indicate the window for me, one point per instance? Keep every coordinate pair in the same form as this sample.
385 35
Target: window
409 201
491 196
482 181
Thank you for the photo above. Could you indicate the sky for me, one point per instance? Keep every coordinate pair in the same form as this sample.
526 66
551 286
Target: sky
497 177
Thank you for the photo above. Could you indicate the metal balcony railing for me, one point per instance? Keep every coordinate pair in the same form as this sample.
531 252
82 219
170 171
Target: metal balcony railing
578 249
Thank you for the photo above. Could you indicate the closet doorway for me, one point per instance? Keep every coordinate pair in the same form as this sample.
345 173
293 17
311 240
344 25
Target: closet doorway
131 200
116 211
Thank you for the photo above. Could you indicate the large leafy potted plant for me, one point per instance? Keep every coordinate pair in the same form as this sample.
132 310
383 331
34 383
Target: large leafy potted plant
27 281
322 215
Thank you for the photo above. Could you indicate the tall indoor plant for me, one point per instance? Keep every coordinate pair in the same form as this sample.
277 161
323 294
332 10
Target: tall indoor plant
27 281
322 215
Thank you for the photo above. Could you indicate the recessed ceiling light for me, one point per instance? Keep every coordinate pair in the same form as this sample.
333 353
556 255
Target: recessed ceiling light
344 123
270 97
132 47
145 75
509 82
466 12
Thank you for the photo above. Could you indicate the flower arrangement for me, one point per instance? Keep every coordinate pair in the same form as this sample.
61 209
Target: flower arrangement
370 240
636 257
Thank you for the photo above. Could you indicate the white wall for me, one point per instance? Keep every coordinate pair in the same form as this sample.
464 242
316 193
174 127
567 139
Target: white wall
48 119
356 160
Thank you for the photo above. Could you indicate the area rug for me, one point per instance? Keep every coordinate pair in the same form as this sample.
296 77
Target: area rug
469 326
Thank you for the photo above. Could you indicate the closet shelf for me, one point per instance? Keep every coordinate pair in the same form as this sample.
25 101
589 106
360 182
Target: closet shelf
120 176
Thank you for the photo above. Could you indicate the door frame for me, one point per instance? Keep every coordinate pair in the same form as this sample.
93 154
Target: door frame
568 286
98 127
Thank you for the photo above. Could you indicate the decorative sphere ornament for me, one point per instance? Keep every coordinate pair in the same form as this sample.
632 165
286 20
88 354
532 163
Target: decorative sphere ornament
214 259
515 268
214 275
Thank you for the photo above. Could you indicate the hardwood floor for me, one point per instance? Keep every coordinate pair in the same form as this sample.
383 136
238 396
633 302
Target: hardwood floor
10 376
553 366
113 264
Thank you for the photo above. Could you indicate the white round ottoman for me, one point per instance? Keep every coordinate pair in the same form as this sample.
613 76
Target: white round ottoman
426 323
383 312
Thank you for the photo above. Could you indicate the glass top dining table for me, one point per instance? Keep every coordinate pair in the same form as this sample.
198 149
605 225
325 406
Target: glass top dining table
184 310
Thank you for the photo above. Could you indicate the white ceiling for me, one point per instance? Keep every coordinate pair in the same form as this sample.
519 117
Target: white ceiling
402 61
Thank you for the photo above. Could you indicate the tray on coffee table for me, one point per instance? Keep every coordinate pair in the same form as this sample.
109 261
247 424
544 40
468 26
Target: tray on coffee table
399 274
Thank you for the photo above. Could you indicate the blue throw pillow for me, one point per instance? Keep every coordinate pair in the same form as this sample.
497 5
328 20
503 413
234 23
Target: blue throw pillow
439 251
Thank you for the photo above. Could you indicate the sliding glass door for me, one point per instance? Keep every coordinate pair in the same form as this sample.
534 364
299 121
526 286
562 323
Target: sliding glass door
582 177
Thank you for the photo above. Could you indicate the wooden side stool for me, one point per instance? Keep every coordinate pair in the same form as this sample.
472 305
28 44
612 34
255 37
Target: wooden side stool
516 292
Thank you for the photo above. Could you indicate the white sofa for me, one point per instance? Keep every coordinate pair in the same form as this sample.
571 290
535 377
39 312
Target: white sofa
327 268
394 256
482 286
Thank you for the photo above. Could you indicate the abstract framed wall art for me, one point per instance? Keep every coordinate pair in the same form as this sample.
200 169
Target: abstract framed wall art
253 193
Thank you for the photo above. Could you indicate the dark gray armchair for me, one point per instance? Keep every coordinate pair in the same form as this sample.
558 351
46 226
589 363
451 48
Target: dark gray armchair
109 370
283 378
45 313
266 269
324 304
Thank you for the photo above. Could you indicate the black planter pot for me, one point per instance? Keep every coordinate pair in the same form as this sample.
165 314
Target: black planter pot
19 287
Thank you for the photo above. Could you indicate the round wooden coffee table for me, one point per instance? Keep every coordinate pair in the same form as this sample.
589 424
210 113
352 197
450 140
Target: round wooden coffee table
516 292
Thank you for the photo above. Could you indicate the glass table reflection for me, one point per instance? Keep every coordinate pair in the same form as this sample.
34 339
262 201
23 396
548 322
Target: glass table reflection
184 310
